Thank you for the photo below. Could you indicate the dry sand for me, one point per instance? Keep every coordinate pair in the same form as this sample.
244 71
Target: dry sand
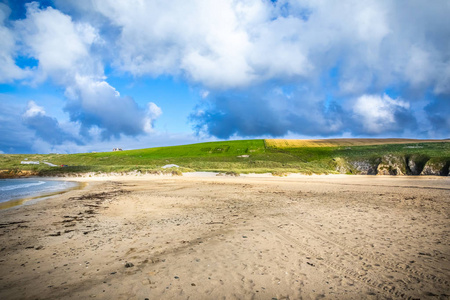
334 237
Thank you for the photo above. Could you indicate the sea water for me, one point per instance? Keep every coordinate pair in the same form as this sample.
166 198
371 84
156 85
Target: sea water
12 189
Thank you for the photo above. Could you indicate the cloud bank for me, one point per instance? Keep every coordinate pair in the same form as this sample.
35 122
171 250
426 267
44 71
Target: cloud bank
262 68
336 56
66 55
46 128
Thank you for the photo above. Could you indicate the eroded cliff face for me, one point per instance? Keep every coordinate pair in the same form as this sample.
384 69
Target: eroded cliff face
17 173
365 167
437 167
415 164
392 165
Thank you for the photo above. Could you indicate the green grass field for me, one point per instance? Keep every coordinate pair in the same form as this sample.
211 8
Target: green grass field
245 156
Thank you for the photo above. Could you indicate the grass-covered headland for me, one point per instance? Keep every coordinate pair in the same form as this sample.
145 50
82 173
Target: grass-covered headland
277 156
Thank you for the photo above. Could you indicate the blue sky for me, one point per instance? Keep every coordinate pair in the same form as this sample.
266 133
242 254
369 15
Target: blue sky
90 75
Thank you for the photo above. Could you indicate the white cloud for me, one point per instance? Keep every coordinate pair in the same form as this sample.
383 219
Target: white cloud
45 127
220 44
278 50
152 113
204 94
9 71
378 113
227 44
33 110
96 103
61 46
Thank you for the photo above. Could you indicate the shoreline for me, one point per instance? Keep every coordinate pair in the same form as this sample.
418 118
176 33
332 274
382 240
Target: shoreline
40 196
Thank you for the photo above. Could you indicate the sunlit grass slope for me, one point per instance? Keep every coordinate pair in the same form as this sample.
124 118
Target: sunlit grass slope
213 156
274 155
295 143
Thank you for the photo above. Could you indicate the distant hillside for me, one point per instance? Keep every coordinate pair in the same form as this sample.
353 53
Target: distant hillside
296 143
278 156
371 156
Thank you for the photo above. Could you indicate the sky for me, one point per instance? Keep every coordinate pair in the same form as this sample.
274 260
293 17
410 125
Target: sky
92 75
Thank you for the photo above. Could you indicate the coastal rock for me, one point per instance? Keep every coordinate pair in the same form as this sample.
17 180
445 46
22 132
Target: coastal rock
365 167
436 166
416 163
4 174
392 165
341 169
342 166
360 167
412 166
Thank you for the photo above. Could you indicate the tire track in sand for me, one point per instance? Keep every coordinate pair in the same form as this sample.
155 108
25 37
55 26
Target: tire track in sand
366 255
367 280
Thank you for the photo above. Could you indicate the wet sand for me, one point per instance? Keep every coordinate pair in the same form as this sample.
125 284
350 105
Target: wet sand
333 237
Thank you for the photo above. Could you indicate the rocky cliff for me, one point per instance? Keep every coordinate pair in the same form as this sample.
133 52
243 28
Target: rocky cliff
436 166
416 164
392 165
17 173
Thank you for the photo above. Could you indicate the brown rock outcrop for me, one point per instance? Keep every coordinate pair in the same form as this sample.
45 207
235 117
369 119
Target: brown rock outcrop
392 165
435 166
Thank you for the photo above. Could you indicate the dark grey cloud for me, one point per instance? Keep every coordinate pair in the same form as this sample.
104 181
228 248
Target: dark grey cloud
270 111
113 118
15 136
97 104
45 127
438 114
28 129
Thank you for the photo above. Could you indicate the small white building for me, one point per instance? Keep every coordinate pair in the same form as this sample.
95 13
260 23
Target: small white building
29 162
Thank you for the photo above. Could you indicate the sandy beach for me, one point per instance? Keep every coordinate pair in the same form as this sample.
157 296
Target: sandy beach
193 237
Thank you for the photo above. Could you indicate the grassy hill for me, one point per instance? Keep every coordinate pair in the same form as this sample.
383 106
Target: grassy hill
293 143
277 156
